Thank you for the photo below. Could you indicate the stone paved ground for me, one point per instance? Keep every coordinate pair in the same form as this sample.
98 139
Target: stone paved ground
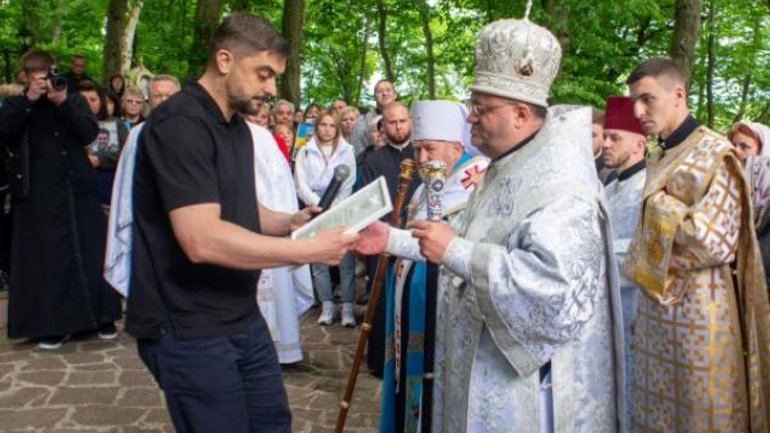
91 386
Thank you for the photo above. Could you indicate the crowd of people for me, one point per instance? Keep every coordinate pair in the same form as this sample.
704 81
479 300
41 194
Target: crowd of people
578 278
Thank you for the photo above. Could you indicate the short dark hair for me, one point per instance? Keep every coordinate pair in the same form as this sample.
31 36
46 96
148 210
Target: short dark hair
538 111
37 61
90 86
657 67
242 32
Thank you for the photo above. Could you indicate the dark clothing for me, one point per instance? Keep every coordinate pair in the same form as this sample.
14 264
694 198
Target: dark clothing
59 228
247 399
129 124
198 328
190 154
73 80
680 134
385 161
630 171
108 158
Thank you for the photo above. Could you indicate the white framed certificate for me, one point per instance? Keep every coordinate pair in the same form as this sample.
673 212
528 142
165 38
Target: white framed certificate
356 212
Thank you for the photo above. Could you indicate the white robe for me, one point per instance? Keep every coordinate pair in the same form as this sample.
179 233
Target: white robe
531 282
286 293
624 203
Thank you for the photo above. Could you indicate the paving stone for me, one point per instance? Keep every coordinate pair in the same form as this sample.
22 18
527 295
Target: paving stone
141 397
50 378
84 358
45 364
22 397
128 362
76 396
97 346
136 378
329 359
157 416
31 418
92 378
105 366
140 430
104 415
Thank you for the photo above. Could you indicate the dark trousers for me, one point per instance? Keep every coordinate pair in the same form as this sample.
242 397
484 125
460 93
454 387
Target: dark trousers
221 384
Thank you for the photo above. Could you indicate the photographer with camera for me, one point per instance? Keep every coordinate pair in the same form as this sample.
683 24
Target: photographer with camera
57 242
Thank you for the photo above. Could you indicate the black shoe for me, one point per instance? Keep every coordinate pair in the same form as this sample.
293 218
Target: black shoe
52 342
108 331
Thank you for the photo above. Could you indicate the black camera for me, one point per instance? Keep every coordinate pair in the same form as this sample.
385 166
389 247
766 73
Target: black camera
57 81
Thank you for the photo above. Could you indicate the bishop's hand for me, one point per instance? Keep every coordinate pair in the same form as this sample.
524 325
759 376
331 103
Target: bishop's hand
434 239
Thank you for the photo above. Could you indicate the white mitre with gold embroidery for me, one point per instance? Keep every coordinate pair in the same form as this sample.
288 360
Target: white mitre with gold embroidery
516 59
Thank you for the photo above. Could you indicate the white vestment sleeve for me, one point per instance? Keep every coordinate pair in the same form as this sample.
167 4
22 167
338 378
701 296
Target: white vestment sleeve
402 244
538 290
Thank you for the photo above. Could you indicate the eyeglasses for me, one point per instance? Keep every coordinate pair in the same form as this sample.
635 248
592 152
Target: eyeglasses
133 101
479 110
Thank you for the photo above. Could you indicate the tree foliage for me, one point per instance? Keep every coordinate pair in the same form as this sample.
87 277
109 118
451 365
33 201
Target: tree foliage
345 43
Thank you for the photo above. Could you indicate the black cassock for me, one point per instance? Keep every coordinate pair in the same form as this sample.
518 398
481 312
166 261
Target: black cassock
385 161
59 228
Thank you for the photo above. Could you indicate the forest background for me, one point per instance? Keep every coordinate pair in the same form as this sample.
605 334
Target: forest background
425 46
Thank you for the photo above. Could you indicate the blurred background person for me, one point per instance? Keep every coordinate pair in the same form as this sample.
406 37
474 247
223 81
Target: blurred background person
348 117
313 172
337 106
299 116
104 160
311 112
132 107
162 87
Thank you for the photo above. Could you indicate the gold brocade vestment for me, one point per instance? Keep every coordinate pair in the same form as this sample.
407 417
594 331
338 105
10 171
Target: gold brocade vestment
701 344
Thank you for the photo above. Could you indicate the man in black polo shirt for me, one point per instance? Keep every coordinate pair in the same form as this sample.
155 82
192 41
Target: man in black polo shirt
192 304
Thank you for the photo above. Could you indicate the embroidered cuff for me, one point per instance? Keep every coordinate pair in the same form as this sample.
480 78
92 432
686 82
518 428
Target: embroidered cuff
458 257
402 244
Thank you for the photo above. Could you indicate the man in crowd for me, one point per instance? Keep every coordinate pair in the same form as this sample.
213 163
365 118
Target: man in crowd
702 332
623 152
132 105
597 140
58 225
386 162
337 106
528 306
384 95
162 87
76 74
284 114
440 133
201 237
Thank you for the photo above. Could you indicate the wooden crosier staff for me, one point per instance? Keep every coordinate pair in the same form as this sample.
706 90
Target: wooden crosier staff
404 179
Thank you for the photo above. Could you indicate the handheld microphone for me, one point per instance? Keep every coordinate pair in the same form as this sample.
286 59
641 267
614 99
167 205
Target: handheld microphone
341 172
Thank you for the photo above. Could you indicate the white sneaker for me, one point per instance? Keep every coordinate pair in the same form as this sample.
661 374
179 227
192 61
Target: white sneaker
327 313
348 318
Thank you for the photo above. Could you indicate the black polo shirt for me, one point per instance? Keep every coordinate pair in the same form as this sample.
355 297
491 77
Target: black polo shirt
190 154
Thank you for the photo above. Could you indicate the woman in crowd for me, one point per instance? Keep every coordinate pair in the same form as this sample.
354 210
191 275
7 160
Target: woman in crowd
105 151
313 171
117 85
311 112
752 144
348 117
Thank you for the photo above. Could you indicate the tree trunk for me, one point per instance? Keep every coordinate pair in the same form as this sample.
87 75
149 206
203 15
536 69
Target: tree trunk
293 16
711 65
382 15
207 16
425 20
685 37
364 49
122 16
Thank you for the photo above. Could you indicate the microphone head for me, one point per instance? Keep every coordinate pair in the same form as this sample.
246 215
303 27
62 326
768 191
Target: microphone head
341 172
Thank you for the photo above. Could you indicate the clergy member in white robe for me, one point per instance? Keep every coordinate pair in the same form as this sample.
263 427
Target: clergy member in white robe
623 151
283 294
529 334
